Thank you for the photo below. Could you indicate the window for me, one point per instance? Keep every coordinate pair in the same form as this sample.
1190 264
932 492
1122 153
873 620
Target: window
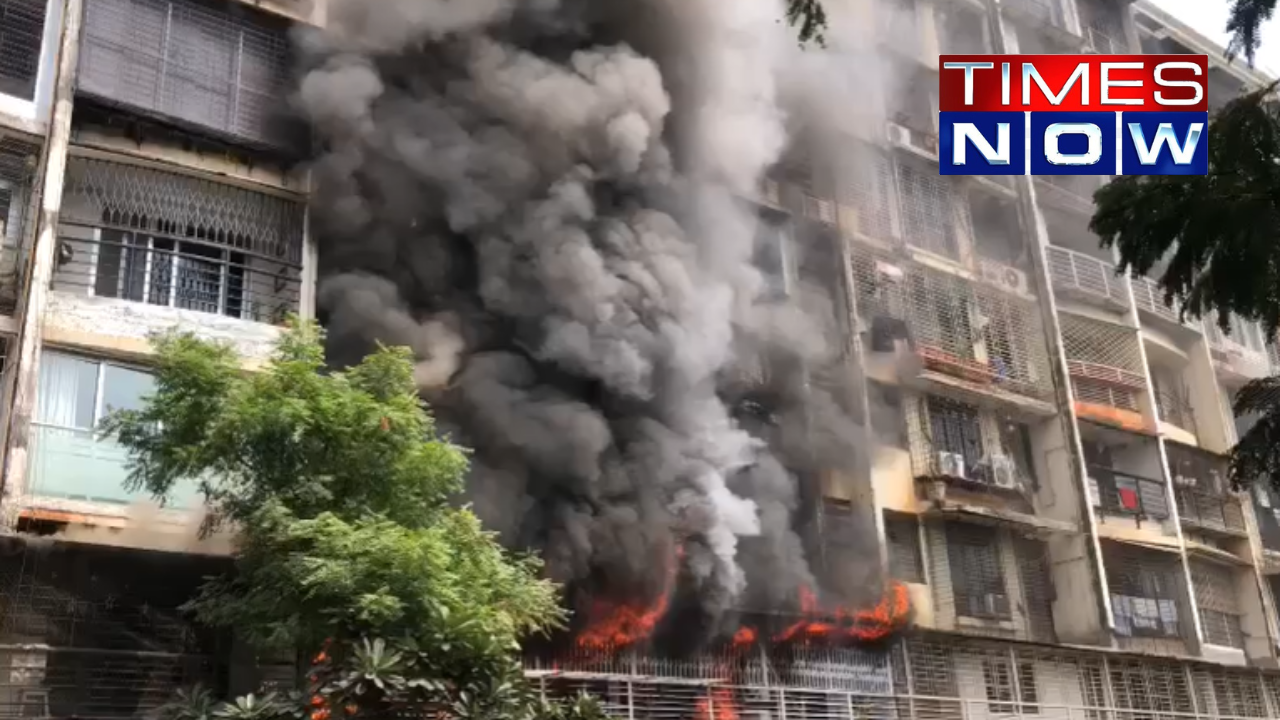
21 33
70 460
926 204
998 674
772 260
954 428
903 536
1144 594
168 272
977 578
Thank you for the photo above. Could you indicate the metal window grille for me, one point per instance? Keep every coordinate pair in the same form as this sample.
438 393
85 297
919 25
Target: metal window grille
1218 606
977 577
1104 362
1037 587
865 183
1151 687
168 239
1204 498
1173 399
953 440
903 536
928 206
21 33
1086 278
224 68
1146 595
977 333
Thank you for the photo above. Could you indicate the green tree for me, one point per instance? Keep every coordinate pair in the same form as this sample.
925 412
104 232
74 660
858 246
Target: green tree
348 549
1219 235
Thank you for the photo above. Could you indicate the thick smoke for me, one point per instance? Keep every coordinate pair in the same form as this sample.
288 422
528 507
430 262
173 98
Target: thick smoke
542 198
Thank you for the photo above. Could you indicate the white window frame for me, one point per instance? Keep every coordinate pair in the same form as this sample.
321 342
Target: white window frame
98 388
36 110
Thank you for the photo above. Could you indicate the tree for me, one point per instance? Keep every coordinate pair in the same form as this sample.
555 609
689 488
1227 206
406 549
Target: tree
348 549
1220 235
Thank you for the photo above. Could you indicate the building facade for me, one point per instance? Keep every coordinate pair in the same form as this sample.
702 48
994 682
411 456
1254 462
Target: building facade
1049 438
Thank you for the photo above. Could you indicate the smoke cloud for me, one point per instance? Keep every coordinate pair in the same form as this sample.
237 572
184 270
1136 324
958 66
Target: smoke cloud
544 200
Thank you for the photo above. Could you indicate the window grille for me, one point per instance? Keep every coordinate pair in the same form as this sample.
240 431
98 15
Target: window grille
951 439
1151 687
928 205
865 183
903 536
1145 592
977 333
1218 606
1104 362
1173 399
173 240
977 577
1037 587
220 67
998 674
21 34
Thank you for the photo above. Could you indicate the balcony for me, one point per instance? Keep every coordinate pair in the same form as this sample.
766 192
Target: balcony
171 241
1216 512
1241 355
1086 278
1149 298
1104 363
1128 495
1047 12
1148 599
1067 192
974 450
1217 604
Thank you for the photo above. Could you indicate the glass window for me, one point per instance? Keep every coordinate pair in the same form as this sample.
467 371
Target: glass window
67 392
123 389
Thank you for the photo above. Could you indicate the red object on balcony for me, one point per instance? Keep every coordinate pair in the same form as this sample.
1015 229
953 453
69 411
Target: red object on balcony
945 362
1129 499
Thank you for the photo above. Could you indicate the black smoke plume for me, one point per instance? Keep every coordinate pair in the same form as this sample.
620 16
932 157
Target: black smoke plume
546 200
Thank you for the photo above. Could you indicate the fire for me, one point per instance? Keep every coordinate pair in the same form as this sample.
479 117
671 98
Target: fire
877 623
620 626
716 705
745 637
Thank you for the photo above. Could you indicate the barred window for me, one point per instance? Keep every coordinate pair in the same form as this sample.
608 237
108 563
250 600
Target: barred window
1144 593
977 578
21 34
954 427
1216 601
903 535
998 674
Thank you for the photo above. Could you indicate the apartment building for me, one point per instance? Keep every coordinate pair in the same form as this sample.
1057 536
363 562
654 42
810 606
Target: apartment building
147 179
1049 437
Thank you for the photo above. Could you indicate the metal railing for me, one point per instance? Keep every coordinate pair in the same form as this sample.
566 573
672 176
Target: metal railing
1121 493
1175 409
1215 511
1078 273
1148 296
180 274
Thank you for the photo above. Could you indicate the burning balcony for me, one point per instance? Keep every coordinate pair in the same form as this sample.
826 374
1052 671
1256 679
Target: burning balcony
964 334
1104 362
1149 601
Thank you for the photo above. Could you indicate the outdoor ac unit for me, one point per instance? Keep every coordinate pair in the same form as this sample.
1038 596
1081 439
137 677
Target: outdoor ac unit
996 604
1184 481
999 274
1004 472
951 464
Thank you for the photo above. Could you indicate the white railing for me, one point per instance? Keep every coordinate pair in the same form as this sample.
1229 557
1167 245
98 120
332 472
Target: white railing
1148 296
1079 273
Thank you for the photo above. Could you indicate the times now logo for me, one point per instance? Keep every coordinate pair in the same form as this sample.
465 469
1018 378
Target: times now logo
1073 115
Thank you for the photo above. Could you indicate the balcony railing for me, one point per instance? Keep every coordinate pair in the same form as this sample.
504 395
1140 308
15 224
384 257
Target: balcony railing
1232 356
185 275
1077 273
1213 511
1120 493
72 464
1148 296
1175 409
1045 11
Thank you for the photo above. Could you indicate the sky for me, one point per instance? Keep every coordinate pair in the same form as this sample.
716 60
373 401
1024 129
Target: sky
1209 17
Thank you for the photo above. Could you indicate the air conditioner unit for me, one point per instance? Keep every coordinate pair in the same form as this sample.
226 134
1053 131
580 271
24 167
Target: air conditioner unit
921 142
1184 481
1004 472
820 209
995 604
951 464
1004 276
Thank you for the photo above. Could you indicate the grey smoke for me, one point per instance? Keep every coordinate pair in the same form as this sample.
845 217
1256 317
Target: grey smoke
552 223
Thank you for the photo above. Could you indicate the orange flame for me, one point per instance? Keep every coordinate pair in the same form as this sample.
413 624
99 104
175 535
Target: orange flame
745 637
716 705
623 625
877 623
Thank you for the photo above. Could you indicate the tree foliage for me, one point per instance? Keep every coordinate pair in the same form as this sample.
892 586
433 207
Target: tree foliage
1217 236
338 490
